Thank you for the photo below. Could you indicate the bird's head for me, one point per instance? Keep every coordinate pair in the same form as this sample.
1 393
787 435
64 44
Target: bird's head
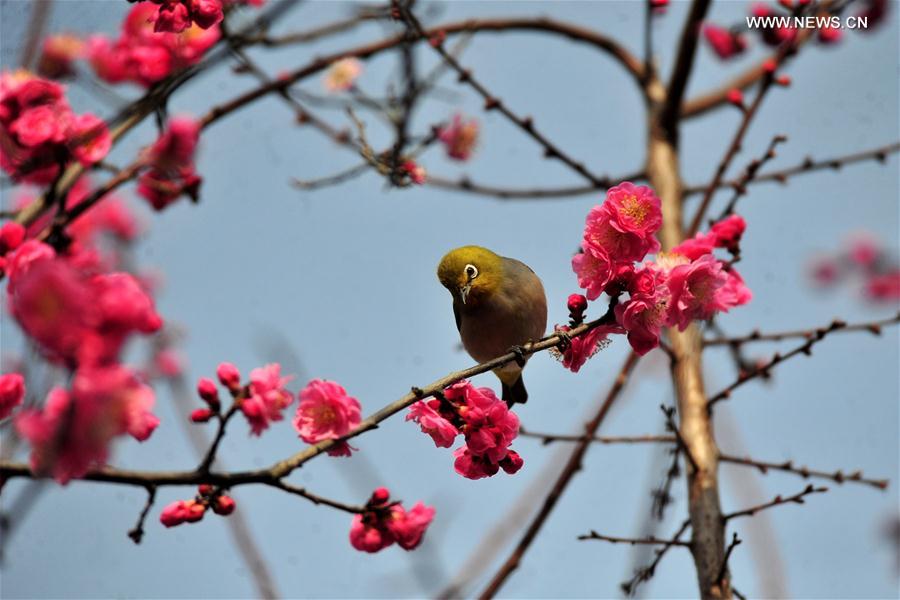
471 273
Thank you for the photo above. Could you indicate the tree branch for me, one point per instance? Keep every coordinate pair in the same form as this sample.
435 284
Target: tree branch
593 535
777 501
765 368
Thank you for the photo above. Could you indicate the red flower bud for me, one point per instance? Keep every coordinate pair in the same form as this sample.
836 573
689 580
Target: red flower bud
577 303
201 415
223 505
204 489
380 496
783 80
207 390
193 511
229 375
770 66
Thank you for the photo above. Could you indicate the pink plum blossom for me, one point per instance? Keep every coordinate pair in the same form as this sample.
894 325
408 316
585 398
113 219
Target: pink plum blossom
442 431
267 399
326 412
384 523
459 138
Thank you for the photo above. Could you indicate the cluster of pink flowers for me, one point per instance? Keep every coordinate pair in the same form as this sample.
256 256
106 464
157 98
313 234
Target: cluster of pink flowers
617 233
485 421
73 431
80 314
261 401
459 138
191 511
12 393
726 43
175 16
862 257
41 133
385 522
326 412
76 316
687 284
171 160
144 55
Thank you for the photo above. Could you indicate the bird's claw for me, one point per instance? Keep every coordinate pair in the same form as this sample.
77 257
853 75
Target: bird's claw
565 340
519 351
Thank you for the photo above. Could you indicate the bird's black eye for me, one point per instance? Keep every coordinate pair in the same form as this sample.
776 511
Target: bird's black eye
471 272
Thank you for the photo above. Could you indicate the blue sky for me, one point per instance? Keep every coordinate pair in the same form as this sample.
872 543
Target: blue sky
339 283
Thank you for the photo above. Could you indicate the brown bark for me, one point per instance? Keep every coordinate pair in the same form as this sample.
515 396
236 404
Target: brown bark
707 525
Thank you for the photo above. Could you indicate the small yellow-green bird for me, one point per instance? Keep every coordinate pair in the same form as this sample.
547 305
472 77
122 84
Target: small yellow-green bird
499 305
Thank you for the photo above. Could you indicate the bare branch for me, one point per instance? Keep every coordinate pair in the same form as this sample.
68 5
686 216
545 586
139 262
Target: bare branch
838 476
838 325
776 501
137 533
764 369
593 535
808 165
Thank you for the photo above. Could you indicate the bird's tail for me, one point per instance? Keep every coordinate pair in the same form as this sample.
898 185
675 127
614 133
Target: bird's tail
515 392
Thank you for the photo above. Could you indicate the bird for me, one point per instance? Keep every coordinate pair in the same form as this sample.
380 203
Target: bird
499 305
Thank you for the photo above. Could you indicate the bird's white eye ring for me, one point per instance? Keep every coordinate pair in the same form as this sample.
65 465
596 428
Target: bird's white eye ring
471 272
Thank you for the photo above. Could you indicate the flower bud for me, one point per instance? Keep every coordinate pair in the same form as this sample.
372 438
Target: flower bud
229 375
208 391
577 303
205 489
193 511
380 496
512 462
172 514
201 415
223 505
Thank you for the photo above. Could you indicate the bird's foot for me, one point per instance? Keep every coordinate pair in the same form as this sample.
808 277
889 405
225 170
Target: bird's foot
519 351
565 340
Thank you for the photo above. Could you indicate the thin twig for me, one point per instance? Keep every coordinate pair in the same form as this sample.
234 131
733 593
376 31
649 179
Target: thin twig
137 533
593 535
776 501
316 499
466 185
549 438
838 325
671 426
740 189
765 368
645 573
838 476
735 542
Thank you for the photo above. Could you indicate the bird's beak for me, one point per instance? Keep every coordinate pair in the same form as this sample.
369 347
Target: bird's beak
464 292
